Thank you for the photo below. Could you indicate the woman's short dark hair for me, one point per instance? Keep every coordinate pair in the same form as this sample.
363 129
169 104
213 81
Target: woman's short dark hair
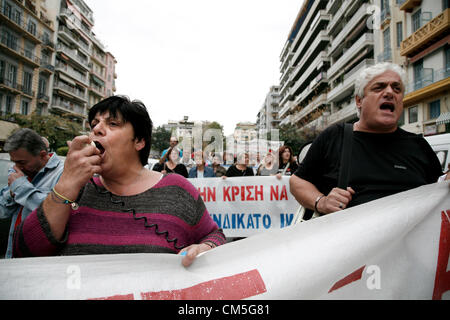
133 112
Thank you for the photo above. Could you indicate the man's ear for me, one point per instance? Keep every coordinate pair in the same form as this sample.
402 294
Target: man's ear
358 101
43 154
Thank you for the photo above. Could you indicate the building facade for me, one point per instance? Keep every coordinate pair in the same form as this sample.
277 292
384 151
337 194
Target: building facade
427 52
26 57
51 62
267 118
332 41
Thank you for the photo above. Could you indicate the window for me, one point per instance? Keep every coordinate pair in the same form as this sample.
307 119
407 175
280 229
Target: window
2 70
12 75
7 10
25 106
42 89
9 104
447 61
418 74
416 20
17 17
413 114
401 120
399 33
31 27
435 109
27 82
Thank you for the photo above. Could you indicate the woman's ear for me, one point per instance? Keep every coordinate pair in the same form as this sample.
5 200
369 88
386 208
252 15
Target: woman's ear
139 144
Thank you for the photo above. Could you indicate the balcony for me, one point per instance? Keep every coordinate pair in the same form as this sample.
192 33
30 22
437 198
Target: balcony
318 45
316 65
26 90
71 91
431 32
365 41
73 54
74 38
9 85
43 98
19 24
432 83
409 5
346 87
285 121
347 112
349 26
21 53
65 107
317 101
337 17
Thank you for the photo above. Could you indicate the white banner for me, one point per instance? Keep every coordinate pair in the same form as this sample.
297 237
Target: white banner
244 206
392 248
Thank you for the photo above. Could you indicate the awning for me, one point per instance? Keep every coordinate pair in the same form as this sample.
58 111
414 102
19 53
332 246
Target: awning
66 79
98 80
443 118
6 128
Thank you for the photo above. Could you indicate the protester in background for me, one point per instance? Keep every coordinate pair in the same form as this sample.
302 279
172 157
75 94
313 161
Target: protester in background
173 142
47 143
384 160
200 170
240 168
170 163
33 175
219 171
187 160
286 162
124 208
268 166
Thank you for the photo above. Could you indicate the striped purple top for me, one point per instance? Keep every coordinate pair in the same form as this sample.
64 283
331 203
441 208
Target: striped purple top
165 218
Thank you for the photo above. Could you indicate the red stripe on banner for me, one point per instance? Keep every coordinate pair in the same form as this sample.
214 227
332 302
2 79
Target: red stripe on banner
442 280
239 286
354 276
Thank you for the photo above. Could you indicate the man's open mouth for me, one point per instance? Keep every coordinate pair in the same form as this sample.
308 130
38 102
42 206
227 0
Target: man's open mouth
388 106
99 147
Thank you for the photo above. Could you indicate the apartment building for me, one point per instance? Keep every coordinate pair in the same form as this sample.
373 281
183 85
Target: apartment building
427 53
26 56
267 117
81 62
329 43
304 61
111 75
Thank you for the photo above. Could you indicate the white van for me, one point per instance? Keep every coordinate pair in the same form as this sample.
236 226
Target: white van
440 143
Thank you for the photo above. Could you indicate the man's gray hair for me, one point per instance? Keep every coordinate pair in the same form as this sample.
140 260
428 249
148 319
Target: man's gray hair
371 72
27 139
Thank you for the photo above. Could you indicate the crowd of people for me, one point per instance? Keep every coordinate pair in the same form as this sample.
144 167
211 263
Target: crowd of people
213 165
102 199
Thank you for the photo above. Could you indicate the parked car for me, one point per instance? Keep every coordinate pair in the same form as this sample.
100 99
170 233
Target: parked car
440 143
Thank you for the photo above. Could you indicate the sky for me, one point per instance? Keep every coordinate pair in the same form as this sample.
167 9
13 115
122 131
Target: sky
210 60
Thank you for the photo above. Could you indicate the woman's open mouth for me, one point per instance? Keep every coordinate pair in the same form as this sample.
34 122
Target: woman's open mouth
99 146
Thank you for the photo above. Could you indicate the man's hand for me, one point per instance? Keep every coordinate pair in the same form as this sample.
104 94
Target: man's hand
15 175
336 200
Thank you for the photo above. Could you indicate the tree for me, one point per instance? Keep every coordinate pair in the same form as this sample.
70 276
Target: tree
295 137
57 130
160 139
